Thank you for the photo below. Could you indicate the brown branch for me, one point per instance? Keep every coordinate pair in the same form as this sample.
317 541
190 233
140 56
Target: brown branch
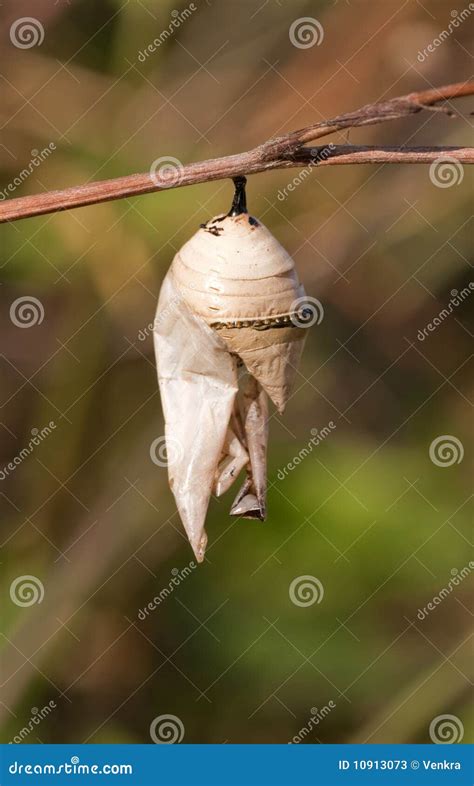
279 153
394 109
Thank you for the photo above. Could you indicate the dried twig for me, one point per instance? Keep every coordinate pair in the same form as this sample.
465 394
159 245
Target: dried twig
279 153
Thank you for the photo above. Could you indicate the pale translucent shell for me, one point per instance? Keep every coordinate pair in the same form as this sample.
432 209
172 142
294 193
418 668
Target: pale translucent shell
237 270
228 271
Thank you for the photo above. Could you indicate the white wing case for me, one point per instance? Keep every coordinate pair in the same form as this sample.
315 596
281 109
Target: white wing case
198 384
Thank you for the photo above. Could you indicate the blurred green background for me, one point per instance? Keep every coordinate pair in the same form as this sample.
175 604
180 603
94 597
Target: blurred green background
367 513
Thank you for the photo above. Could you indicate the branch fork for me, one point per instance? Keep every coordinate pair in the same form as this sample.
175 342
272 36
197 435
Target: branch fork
282 152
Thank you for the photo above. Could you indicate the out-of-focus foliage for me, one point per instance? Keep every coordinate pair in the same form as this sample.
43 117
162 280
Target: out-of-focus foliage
366 511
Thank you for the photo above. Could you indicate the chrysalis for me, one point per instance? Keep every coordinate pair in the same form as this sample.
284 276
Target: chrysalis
228 332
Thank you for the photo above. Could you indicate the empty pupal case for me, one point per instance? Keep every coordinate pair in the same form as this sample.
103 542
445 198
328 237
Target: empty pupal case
225 336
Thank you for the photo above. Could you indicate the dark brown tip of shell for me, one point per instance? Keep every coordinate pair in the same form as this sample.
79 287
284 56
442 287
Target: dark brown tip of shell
239 203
